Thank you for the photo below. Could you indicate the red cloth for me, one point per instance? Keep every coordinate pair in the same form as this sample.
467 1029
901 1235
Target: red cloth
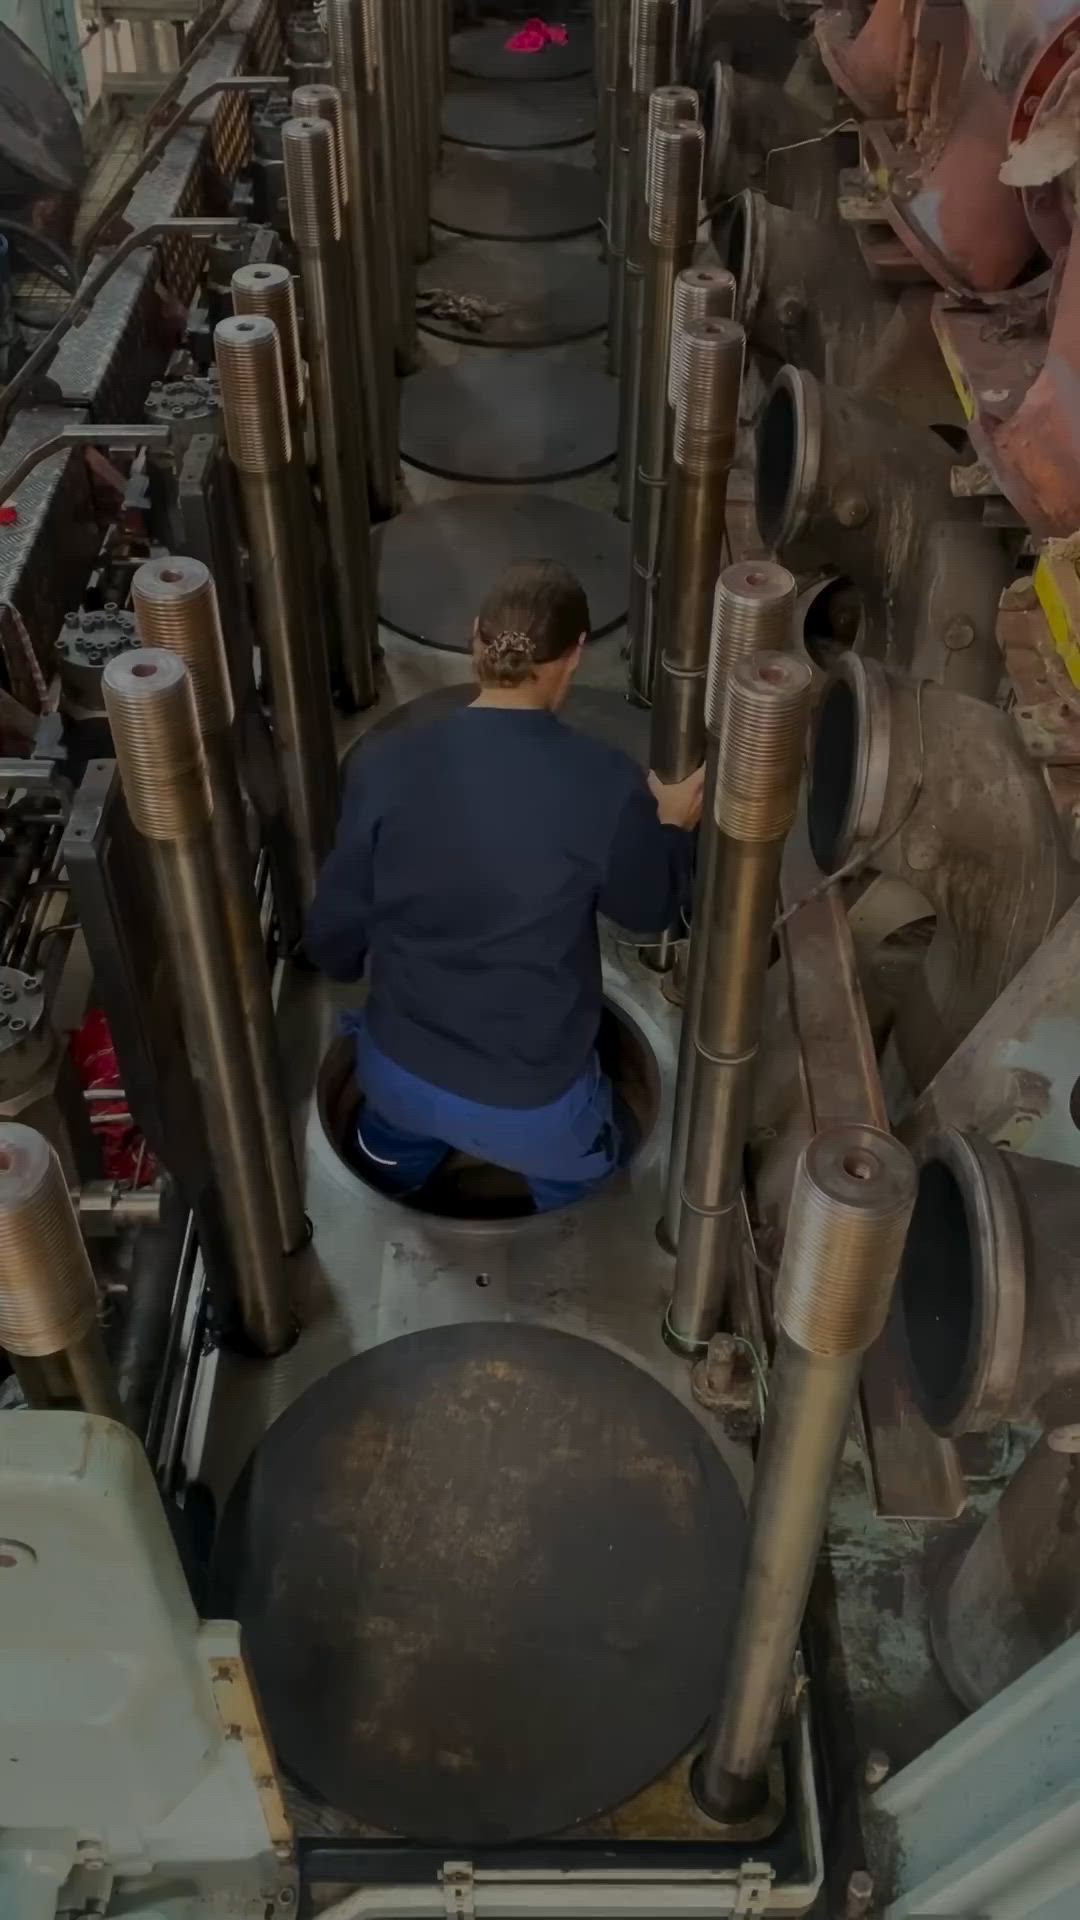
96 1064
534 36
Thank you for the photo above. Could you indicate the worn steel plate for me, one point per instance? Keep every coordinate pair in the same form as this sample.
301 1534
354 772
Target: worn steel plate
532 296
506 196
40 142
482 54
486 1576
437 562
559 115
511 419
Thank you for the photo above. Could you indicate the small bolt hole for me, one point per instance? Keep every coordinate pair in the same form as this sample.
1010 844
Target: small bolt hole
860 1166
483 1279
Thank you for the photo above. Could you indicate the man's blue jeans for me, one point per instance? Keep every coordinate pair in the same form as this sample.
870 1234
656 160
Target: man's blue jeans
406 1126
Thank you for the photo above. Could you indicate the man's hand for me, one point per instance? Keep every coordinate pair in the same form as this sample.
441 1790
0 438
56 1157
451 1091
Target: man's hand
679 805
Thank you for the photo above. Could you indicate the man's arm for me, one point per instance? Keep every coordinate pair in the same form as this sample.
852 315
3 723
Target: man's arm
336 934
650 866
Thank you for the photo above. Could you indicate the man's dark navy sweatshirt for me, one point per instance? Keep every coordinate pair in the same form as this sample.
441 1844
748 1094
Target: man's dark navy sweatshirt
472 857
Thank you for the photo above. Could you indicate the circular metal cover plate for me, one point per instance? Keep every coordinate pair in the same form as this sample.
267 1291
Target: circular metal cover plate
558 115
39 135
486 1576
543 296
482 54
502 196
509 419
437 562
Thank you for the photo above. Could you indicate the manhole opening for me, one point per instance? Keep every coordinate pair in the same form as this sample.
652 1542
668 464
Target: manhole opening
466 1189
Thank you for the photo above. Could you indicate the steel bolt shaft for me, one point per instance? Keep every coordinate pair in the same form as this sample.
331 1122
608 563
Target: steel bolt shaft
850 1208
273 492
48 1296
311 184
752 613
759 766
176 608
150 701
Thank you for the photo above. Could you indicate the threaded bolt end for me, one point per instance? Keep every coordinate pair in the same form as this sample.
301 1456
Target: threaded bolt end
349 48
676 156
270 289
701 293
851 1205
762 736
315 102
752 611
707 416
48 1298
654 46
150 701
249 362
176 607
309 150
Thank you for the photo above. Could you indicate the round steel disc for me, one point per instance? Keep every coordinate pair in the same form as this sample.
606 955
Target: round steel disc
558 115
533 296
486 1577
481 53
437 562
509 419
502 196
40 142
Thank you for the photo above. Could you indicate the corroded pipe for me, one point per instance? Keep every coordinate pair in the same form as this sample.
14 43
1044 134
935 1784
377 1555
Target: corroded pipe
852 1200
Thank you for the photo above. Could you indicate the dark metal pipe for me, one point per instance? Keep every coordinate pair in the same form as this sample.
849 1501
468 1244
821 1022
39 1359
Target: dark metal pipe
272 490
654 102
759 768
852 1200
311 179
150 701
674 197
753 610
176 608
48 1295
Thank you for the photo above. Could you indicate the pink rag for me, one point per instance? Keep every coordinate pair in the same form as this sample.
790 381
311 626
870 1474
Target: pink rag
534 36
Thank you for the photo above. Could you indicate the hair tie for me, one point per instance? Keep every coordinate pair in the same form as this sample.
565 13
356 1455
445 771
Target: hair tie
511 641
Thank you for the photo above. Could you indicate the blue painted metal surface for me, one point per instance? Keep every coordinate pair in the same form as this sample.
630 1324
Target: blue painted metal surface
50 28
986 1825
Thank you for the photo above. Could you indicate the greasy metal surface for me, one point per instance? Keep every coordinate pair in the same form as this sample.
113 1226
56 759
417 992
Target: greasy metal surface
558 115
515 419
914 1472
493 196
540 296
437 562
482 54
486 1575
39 136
